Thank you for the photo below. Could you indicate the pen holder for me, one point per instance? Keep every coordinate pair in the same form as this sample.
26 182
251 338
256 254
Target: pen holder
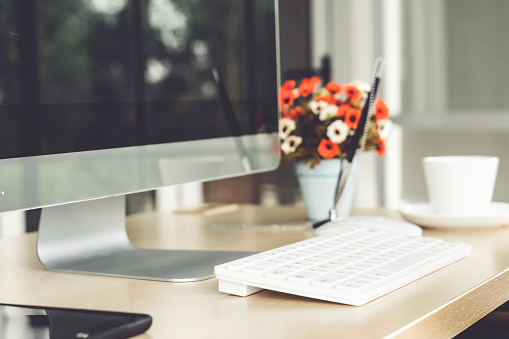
318 188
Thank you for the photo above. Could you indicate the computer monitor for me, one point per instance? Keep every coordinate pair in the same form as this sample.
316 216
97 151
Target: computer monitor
100 98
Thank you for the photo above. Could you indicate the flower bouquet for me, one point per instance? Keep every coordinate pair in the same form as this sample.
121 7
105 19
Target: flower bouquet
319 122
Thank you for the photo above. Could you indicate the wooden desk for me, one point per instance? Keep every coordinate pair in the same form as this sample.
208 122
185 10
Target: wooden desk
441 304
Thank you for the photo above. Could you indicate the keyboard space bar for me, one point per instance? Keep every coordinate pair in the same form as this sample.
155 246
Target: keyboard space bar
405 263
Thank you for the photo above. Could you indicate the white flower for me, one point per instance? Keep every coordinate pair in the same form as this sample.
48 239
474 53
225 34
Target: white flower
286 126
338 131
384 128
327 112
317 106
291 144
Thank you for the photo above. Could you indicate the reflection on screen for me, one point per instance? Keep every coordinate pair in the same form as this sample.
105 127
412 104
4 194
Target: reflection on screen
93 74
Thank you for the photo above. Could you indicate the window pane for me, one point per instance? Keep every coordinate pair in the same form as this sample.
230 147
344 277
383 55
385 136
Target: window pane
456 54
454 94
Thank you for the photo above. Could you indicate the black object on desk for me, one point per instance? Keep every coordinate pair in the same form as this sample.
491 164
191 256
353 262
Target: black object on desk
17 321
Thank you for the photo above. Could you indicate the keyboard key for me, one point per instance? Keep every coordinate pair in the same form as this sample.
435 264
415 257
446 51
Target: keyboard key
303 277
279 273
255 269
331 267
292 266
319 269
360 281
378 274
405 263
313 260
239 264
328 280
349 286
289 257
371 277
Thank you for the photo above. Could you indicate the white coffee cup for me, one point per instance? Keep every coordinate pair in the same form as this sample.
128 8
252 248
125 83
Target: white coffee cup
460 185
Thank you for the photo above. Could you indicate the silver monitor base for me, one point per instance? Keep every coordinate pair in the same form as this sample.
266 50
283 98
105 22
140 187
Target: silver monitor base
89 237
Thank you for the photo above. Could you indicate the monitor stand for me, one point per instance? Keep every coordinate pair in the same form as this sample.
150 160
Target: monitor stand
89 237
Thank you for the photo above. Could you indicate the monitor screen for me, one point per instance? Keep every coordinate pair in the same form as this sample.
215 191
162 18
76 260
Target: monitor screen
102 97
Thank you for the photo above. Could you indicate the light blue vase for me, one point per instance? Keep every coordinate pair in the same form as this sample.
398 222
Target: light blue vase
318 187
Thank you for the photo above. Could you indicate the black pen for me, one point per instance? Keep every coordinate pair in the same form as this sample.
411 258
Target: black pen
361 132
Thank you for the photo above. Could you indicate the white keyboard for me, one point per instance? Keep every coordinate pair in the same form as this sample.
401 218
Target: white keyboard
354 266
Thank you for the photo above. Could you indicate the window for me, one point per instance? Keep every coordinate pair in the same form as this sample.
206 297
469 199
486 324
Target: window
445 81
452 84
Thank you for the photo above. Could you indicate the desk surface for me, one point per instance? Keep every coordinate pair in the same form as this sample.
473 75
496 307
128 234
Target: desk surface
441 304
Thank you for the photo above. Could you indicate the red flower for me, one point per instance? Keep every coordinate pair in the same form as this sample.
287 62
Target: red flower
352 117
327 98
333 87
380 150
327 149
352 92
315 80
308 86
286 97
381 110
292 113
289 85
342 110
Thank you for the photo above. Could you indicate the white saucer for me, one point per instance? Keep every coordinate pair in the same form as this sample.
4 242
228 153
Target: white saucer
421 214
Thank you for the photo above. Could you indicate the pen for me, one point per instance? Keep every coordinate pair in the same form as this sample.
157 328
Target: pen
361 132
